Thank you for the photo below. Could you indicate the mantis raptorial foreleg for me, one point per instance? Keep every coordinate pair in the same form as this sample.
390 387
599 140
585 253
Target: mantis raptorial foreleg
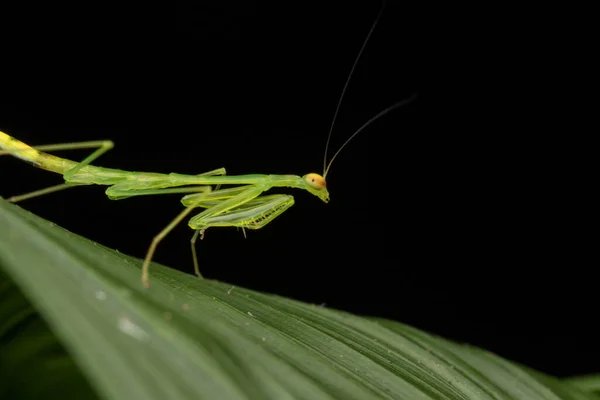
253 214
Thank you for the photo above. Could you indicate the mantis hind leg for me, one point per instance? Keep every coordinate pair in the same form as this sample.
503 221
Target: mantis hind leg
41 192
101 146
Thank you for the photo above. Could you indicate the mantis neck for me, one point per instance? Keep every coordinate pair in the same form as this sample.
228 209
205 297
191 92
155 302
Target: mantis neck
293 181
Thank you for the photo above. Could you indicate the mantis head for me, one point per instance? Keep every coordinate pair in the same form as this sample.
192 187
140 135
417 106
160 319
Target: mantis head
316 185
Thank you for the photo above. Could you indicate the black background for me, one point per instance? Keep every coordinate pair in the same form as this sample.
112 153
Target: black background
437 219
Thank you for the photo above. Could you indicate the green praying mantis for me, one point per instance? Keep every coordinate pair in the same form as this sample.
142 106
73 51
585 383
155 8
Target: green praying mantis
242 204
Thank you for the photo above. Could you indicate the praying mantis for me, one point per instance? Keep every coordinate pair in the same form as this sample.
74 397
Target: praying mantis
241 204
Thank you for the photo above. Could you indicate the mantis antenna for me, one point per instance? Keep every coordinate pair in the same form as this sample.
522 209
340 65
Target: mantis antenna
337 109
373 119
381 114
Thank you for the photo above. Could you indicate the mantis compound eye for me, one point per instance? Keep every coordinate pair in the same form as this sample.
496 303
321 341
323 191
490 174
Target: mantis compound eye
315 181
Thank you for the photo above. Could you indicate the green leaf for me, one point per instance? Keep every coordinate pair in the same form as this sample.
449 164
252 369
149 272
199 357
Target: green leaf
589 383
186 338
